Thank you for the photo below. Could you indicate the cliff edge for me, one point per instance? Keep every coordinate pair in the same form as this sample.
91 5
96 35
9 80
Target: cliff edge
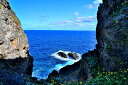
111 53
14 56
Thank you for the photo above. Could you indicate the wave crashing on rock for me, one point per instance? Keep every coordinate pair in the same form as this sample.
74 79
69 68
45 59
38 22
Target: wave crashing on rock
66 55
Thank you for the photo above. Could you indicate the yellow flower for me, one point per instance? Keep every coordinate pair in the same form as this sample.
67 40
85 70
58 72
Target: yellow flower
124 78
125 71
80 82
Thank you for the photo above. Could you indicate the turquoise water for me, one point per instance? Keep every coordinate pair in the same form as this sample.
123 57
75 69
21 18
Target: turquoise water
44 44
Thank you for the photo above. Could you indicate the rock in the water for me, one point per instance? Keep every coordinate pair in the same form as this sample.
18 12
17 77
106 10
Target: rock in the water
73 55
62 54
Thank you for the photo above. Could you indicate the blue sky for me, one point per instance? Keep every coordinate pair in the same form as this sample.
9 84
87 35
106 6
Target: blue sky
56 14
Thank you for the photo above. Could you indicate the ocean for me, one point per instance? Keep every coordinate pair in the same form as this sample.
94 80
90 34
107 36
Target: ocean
45 44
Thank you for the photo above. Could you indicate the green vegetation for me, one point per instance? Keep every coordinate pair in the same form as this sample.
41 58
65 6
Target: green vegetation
119 8
108 46
110 78
116 21
105 78
125 41
94 65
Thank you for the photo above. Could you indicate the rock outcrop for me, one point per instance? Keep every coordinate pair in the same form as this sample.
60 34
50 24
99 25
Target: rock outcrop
73 55
14 55
111 53
62 54
69 55
112 34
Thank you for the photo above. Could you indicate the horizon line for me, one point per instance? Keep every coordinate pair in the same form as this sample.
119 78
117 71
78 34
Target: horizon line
59 30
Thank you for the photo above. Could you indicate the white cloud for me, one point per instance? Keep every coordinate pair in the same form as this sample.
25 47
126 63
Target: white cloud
91 25
79 21
90 6
76 13
95 4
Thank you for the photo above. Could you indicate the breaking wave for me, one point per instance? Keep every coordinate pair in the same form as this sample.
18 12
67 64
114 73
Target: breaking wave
69 61
55 55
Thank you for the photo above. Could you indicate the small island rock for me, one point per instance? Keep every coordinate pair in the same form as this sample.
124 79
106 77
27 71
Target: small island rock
62 54
73 55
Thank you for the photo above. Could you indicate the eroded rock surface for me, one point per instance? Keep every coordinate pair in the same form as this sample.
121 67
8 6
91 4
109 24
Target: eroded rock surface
14 55
112 34
13 41
111 52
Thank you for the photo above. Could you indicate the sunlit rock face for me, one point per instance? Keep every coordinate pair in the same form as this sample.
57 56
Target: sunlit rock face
13 41
14 55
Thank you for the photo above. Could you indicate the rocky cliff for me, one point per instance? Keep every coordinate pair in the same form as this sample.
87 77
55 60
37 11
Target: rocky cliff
14 55
111 53
112 34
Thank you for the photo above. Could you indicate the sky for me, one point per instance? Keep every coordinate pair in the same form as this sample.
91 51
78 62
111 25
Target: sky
56 14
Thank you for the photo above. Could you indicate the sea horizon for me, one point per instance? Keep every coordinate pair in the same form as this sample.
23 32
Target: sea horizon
59 30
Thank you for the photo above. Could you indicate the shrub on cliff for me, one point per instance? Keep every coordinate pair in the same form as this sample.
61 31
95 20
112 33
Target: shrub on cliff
106 78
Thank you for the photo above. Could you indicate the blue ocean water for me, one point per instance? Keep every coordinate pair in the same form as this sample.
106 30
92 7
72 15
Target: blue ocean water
43 45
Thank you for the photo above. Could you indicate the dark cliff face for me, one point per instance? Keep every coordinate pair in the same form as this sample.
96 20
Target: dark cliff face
14 56
112 34
111 53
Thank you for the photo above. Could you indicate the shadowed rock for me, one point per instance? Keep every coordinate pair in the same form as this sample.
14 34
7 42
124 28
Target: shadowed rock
73 55
62 54
54 73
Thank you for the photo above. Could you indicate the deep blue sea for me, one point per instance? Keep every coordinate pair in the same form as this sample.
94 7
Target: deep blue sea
45 44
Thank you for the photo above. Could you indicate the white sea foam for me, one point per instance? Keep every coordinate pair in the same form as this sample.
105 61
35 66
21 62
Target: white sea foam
36 72
55 55
59 66
69 61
